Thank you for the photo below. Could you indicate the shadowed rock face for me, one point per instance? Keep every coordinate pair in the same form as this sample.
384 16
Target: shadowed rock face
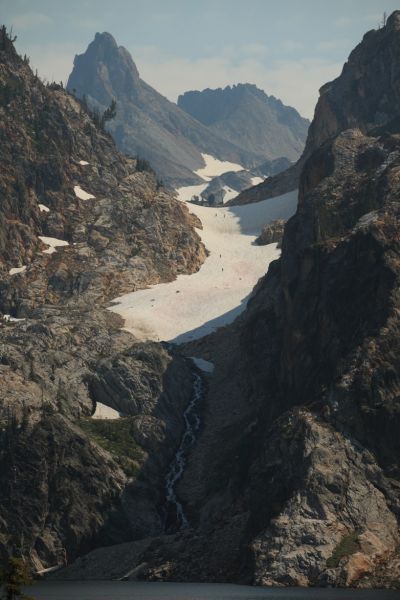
317 368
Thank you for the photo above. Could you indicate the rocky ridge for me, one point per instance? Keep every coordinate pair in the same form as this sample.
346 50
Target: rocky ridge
249 118
147 124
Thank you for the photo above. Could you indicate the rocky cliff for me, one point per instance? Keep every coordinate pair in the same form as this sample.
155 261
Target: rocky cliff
315 485
365 96
249 118
79 224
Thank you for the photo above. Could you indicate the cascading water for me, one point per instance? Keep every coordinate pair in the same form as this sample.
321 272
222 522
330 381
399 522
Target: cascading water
192 425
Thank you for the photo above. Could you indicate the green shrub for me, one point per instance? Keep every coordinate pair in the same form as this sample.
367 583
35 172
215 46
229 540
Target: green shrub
116 436
13 575
347 546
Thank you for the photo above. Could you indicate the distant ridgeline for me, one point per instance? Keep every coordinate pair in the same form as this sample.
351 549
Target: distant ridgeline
247 117
255 128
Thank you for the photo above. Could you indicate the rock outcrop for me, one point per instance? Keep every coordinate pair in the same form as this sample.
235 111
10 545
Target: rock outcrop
272 233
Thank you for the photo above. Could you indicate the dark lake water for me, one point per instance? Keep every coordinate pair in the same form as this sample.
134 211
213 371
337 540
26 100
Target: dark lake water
110 590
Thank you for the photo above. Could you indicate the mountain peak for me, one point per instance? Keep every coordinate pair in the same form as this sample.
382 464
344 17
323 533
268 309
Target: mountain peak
105 39
105 71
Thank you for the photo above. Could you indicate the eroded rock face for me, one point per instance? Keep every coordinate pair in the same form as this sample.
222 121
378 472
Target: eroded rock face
321 332
249 118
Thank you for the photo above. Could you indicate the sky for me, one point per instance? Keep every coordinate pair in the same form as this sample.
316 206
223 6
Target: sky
288 48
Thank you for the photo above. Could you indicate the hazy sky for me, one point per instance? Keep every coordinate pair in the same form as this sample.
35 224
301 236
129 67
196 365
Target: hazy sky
289 48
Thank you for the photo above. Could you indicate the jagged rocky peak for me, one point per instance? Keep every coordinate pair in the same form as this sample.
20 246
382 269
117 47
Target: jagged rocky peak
210 105
104 71
171 139
248 117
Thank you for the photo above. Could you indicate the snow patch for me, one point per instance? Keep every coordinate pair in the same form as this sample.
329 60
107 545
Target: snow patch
44 208
105 412
80 193
229 194
203 365
53 243
83 162
10 319
195 305
187 192
215 167
16 270
257 180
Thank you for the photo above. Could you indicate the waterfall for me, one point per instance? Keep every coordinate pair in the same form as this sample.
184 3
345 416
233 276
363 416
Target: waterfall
175 471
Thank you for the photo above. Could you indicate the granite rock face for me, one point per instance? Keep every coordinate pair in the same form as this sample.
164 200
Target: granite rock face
272 233
69 482
317 362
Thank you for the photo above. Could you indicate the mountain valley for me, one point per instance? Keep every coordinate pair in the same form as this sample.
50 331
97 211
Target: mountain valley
199 381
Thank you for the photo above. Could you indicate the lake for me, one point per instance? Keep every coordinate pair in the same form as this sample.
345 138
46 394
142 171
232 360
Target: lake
132 590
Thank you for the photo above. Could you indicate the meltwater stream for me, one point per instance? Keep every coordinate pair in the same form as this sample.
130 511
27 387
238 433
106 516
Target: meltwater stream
192 425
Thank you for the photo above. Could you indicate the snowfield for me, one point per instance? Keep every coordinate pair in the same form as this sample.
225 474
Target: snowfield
215 167
229 194
257 180
105 412
195 305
